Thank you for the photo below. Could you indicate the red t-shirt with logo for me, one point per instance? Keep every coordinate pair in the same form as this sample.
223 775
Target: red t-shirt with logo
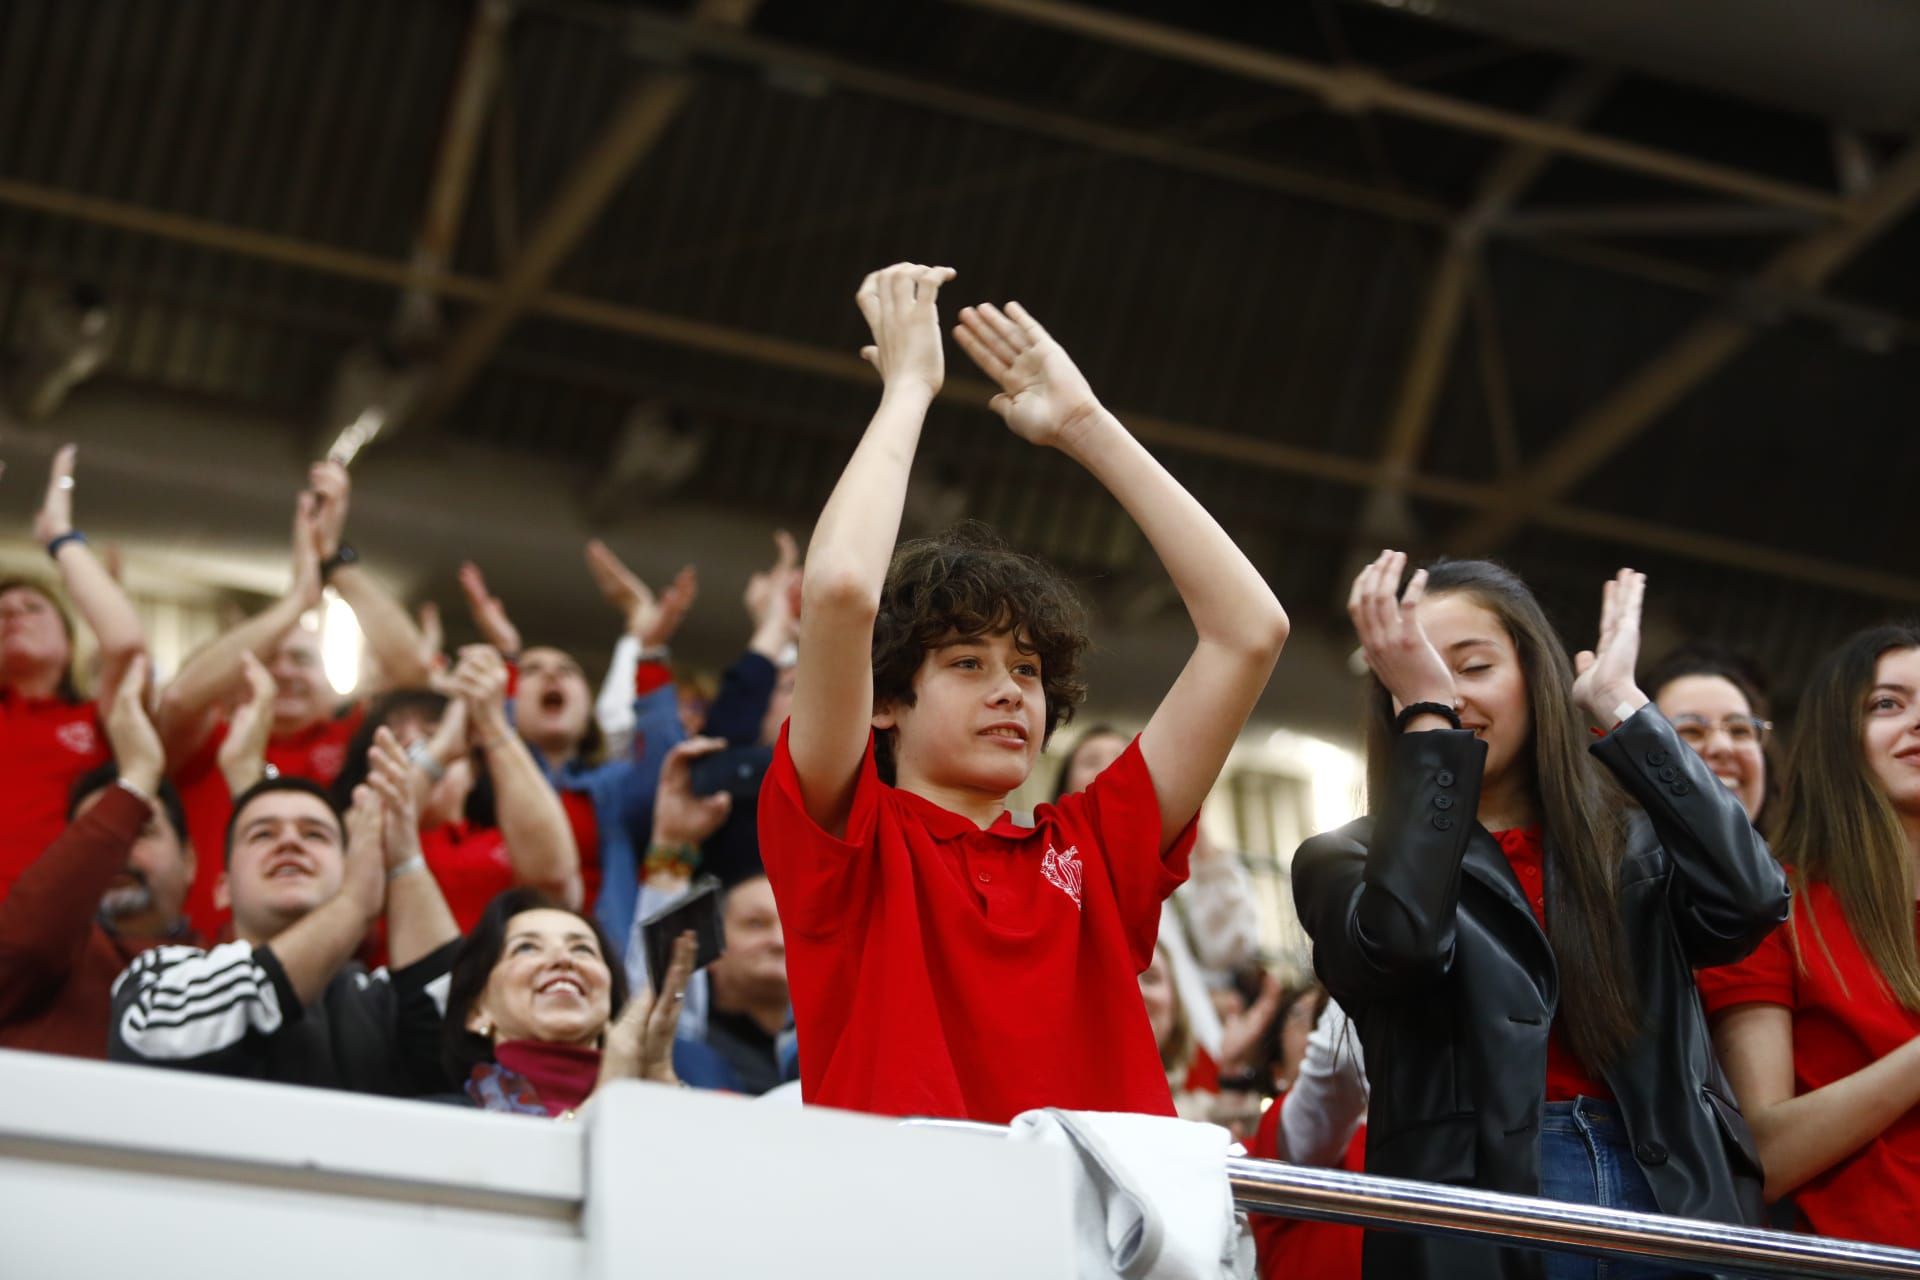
46 744
1844 1020
939 969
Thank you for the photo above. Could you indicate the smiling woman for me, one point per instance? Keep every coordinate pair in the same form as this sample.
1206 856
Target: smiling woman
1515 950
530 1010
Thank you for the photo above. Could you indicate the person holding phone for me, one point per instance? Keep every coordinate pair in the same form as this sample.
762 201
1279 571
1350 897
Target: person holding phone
1514 945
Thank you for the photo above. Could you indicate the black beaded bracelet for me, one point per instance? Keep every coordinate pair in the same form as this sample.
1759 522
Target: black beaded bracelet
72 535
1418 709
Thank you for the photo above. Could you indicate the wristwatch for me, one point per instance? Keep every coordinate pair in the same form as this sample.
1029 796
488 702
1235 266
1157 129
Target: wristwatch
343 554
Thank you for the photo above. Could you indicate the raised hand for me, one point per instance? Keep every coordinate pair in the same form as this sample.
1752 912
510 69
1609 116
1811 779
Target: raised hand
652 620
1043 395
328 483
899 303
489 615
1395 644
242 757
639 1044
1242 1033
433 638
391 776
679 816
365 880
771 596
130 732
55 517
479 681
1605 684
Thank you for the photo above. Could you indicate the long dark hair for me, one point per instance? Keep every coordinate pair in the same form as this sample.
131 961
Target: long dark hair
1581 825
1839 828
461 1050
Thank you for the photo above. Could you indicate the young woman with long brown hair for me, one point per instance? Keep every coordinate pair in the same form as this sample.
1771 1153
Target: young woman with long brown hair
1820 1027
1513 941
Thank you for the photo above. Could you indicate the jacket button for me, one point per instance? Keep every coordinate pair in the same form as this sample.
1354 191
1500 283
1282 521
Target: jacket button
1669 773
1443 821
1444 778
1656 758
1443 802
1650 1152
1682 788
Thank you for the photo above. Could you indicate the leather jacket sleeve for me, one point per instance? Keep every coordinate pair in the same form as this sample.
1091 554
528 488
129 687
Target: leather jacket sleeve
1727 892
1380 906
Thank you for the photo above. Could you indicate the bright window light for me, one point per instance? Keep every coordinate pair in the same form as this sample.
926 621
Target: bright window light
1333 776
340 644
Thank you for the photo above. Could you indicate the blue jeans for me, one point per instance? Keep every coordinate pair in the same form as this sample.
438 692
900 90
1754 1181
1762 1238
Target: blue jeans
1585 1158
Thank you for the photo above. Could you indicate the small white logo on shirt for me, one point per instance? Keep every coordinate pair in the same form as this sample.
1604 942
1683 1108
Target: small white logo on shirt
78 737
1063 871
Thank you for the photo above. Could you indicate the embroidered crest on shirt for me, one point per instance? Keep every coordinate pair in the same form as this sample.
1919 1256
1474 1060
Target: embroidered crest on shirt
1063 871
78 737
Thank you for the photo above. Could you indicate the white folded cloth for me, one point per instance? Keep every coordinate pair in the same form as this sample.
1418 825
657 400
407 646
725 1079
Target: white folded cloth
1151 1199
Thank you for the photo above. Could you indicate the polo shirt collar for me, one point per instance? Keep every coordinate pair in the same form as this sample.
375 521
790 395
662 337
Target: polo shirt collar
944 824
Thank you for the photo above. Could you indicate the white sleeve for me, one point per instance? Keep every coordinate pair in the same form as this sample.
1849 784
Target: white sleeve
614 707
1328 1101
184 1005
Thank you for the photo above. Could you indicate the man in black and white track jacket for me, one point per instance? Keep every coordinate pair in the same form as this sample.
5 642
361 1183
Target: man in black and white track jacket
286 1001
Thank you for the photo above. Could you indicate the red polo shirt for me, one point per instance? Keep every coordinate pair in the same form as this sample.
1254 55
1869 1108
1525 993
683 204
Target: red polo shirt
45 745
1567 1077
318 751
943 970
472 865
1844 1020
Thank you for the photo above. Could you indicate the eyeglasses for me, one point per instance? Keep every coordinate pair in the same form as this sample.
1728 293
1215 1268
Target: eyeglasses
1741 731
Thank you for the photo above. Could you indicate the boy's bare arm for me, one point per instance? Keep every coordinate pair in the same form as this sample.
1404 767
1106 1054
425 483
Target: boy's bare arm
852 544
1240 624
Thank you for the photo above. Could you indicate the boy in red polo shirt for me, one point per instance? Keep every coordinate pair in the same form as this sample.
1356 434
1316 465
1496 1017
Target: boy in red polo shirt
944 960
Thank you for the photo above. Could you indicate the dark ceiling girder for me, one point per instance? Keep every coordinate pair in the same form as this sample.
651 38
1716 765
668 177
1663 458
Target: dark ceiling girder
1690 360
1357 88
784 353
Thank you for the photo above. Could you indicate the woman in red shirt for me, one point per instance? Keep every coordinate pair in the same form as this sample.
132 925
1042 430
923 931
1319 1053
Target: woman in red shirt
1820 1028
49 734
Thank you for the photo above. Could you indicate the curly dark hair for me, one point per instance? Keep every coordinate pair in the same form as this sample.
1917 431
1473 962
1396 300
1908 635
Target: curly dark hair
967 583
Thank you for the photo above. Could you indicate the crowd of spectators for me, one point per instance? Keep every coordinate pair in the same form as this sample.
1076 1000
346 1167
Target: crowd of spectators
447 887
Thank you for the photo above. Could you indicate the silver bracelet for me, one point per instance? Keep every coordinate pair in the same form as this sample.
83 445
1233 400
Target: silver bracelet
407 868
421 757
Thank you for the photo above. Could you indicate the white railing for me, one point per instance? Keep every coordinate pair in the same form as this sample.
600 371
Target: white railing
135 1171
109 1170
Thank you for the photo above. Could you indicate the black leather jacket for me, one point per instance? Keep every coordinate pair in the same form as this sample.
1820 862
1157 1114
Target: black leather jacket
1422 932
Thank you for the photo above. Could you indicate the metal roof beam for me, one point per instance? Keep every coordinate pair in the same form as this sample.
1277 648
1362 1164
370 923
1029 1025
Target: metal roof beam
803 357
636 126
1356 88
1695 356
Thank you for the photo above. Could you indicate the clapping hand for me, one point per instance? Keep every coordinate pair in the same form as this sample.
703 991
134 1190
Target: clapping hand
1605 687
1043 395
771 597
243 755
1395 644
130 732
900 306
651 619
639 1044
489 614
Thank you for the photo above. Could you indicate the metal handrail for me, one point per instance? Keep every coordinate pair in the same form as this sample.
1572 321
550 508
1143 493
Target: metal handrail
1426 1208
1368 1200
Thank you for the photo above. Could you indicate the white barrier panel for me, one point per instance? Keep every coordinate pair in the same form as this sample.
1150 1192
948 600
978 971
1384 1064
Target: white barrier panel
109 1170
